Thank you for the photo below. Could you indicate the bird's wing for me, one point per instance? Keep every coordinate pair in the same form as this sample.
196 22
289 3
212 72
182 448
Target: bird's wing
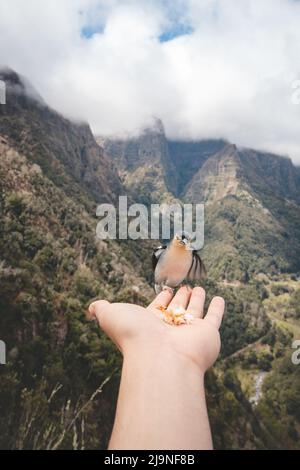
157 254
197 270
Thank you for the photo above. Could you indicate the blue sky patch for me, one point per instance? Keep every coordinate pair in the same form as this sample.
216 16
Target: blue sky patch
176 31
89 31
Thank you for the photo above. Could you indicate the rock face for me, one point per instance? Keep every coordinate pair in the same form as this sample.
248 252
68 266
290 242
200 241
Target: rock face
217 178
232 169
52 174
144 163
188 158
251 198
252 212
275 174
67 152
51 267
205 170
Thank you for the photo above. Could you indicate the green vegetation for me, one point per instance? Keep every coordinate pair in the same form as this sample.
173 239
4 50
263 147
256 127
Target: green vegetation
51 267
59 387
279 406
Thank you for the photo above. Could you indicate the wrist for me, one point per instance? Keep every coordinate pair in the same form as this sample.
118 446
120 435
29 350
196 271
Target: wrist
162 400
160 357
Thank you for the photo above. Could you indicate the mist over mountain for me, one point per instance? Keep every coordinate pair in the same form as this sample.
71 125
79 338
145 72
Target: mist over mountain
206 68
250 197
53 173
65 150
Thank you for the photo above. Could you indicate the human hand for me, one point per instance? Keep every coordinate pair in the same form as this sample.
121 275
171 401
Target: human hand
136 330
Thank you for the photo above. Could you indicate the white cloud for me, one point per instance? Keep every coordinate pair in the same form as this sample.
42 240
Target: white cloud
230 77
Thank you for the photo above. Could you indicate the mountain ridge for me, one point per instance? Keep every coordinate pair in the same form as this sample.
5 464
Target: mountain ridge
66 151
189 156
52 175
245 192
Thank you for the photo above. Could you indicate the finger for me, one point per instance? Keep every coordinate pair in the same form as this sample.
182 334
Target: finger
196 303
216 311
97 309
162 299
181 298
105 313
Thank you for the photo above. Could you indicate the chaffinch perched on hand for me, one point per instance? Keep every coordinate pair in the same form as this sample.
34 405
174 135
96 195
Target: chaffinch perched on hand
176 262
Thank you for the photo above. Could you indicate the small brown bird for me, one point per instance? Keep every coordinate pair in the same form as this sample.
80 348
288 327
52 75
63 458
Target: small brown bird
176 262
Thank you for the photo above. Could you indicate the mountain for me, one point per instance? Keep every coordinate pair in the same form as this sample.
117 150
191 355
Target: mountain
52 175
252 199
189 156
59 386
252 212
144 163
231 171
252 255
67 152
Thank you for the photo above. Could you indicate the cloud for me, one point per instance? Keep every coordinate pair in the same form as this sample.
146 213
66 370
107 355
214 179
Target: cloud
209 68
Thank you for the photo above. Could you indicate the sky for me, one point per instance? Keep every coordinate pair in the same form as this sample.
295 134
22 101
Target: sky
207 68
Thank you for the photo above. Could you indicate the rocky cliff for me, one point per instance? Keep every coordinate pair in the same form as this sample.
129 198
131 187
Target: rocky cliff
251 198
67 152
52 174
144 163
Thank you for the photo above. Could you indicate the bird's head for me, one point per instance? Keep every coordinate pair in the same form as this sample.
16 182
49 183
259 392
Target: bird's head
182 240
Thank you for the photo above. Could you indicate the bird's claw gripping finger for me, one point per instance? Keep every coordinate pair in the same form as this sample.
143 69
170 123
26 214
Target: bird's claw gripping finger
169 289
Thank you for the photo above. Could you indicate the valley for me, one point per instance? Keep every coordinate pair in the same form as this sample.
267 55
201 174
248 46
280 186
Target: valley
53 174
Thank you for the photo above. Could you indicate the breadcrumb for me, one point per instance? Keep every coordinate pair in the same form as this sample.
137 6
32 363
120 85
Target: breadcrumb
176 316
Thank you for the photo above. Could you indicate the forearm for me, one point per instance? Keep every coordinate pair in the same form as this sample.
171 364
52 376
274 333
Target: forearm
161 403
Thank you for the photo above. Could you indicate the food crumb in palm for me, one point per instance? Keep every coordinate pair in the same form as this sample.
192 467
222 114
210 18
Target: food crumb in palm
176 316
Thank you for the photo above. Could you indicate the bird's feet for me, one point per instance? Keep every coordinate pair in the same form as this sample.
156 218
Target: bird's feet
170 289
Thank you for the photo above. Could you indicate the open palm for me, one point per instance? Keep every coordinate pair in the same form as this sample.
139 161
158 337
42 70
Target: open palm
132 327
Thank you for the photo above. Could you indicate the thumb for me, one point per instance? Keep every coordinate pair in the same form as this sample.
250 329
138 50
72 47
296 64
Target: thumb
102 311
97 310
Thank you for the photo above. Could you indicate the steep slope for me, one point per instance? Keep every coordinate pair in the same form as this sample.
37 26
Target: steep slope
251 198
67 152
51 267
256 172
217 178
252 214
188 157
252 235
52 174
144 163
273 174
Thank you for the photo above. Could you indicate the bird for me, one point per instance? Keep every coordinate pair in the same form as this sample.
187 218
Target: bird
176 262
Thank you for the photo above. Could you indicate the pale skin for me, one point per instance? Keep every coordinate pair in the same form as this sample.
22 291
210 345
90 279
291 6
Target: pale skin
161 403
